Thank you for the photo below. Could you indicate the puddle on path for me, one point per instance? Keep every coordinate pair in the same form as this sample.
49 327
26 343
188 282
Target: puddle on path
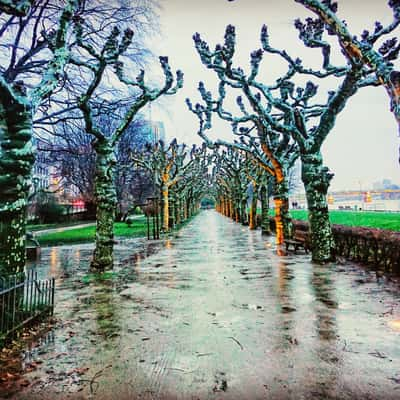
214 313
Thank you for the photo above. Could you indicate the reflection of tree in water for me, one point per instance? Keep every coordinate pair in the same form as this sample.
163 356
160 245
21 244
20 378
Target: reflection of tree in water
104 304
326 304
62 263
285 300
326 373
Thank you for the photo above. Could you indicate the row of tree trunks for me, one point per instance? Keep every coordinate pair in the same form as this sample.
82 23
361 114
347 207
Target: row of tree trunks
177 207
236 209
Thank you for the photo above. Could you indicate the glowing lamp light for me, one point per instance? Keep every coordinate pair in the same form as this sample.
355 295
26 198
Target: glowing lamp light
78 203
395 324
367 197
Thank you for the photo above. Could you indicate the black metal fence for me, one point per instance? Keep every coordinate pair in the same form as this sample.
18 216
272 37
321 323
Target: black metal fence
23 298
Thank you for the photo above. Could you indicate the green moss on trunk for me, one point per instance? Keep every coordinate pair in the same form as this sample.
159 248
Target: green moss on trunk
16 162
253 208
106 200
316 179
243 211
265 227
172 219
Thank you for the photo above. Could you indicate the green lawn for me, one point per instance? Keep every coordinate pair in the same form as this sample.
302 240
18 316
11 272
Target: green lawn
370 219
39 227
81 235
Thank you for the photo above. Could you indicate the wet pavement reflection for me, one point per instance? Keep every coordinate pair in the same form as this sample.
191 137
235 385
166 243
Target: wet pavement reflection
215 312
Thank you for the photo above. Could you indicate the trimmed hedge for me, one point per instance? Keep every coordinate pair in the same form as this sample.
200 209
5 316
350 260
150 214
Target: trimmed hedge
377 247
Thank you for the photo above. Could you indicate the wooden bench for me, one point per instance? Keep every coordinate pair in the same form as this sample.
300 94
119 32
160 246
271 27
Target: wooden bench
300 239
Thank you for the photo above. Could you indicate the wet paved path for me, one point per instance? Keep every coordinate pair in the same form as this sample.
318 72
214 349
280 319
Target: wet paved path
218 314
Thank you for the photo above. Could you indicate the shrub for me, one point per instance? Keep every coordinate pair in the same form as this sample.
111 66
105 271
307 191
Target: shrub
50 211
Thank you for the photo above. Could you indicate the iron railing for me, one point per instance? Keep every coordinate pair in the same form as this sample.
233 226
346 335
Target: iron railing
23 298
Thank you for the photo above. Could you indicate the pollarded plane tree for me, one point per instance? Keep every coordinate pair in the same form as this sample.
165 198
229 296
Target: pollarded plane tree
237 170
367 50
250 145
310 126
161 161
19 102
96 63
166 164
274 150
195 182
255 173
224 179
287 110
196 192
230 163
184 172
221 178
68 149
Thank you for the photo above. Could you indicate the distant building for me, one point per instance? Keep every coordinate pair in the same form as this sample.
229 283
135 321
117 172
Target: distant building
385 184
46 179
155 131
41 172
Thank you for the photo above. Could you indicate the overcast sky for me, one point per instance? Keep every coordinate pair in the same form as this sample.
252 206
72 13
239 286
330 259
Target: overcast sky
362 148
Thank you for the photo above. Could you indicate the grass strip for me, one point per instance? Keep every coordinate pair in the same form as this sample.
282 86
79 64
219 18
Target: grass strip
87 234
368 219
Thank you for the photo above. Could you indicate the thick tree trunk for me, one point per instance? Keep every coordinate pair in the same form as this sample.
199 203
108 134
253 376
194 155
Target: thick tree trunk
171 218
16 162
316 179
244 211
253 209
231 209
223 204
265 227
164 192
237 210
185 210
283 220
178 210
12 242
106 202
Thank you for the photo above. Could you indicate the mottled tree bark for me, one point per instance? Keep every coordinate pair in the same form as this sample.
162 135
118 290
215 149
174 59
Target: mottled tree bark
316 179
165 216
106 202
178 210
16 162
253 208
283 220
265 227
17 109
184 209
237 210
282 193
243 211
171 218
